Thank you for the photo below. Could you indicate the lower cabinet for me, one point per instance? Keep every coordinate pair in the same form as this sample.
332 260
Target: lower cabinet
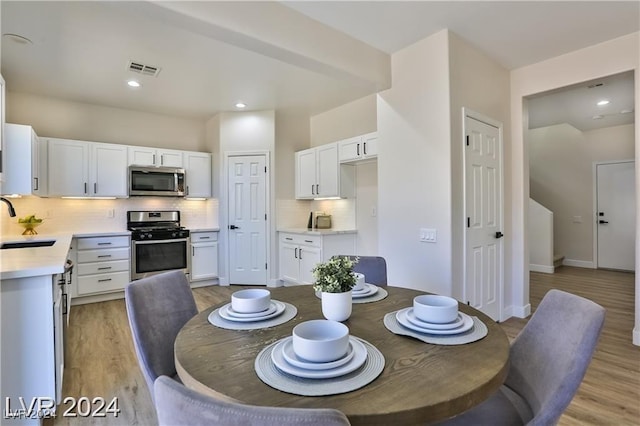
299 253
204 255
102 264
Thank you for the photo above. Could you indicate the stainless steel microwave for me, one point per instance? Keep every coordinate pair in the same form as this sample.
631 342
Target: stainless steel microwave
156 181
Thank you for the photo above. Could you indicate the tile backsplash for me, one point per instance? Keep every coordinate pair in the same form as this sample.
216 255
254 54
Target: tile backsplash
87 216
295 213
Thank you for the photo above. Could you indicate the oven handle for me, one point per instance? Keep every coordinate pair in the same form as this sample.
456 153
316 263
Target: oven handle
174 240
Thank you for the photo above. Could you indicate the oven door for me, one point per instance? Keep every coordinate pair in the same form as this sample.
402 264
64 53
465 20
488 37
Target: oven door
156 256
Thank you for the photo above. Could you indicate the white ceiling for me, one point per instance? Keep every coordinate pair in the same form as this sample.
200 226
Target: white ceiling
81 50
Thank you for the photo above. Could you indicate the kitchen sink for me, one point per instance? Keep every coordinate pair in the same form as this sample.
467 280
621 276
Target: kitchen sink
25 244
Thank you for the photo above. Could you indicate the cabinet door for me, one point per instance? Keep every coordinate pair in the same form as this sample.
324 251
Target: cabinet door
141 156
68 168
39 166
108 170
328 177
370 145
17 160
204 261
169 158
289 263
306 173
350 149
309 258
198 170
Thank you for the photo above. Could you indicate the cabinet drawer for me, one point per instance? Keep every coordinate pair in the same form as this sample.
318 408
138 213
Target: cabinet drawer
85 256
301 239
102 242
102 267
102 283
203 237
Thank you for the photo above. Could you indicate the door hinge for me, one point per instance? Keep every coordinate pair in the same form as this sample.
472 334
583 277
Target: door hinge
265 169
265 216
265 266
467 140
468 222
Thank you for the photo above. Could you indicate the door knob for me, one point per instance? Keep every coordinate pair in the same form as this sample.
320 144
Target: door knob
233 227
602 221
499 234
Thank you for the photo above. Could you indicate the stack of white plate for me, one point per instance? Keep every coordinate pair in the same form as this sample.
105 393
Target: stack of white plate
275 308
285 358
251 305
367 291
407 318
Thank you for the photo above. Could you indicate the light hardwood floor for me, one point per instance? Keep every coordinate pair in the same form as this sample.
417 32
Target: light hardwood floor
101 361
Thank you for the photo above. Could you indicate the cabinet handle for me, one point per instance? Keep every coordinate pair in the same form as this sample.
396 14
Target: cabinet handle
357 149
162 159
104 255
187 190
317 189
300 254
154 159
308 241
312 193
203 238
295 252
364 147
85 187
287 238
105 244
35 186
95 187
193 251
105 268
105 280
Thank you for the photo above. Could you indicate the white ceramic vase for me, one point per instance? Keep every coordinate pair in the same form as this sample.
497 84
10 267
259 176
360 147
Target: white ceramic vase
336 306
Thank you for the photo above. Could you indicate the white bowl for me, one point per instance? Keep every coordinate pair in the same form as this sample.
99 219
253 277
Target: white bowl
320 340
359 281
251 300
435 309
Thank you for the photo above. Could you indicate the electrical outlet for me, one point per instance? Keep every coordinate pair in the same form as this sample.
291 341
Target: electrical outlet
577 219
111 213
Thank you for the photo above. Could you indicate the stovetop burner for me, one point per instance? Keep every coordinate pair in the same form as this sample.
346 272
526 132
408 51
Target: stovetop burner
155 225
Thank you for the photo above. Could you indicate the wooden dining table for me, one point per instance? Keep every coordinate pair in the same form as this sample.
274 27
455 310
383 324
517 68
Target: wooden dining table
421 383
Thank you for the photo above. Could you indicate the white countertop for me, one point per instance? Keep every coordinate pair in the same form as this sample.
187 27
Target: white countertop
306 231
204 229
101 234
36 261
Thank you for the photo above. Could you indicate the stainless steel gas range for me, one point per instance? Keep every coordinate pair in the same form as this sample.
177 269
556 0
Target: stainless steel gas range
158 243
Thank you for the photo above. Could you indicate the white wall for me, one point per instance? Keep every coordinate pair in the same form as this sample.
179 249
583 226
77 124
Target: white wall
540 238
414 166
57 118
351 119
561 161
612 57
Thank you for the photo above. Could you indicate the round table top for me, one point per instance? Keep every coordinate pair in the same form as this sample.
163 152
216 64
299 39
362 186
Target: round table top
421 382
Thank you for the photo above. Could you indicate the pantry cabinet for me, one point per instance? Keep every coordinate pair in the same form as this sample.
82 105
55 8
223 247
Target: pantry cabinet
319 174
99 169
299 253
363 147
145 156
204 255
197 166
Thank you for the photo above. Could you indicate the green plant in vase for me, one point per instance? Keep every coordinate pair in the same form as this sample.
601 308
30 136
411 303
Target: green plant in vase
334 281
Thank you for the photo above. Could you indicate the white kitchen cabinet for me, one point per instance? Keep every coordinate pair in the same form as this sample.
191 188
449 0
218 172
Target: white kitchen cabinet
299 253
86 169
197 167
363 147
204 255
145 156
25 161
102 264
319 174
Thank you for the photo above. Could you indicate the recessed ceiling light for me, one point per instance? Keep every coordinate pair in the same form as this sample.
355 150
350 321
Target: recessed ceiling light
241 105
597 117
133 83
603 102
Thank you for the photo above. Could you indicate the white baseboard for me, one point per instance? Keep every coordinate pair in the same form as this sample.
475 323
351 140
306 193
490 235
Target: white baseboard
521 311
223 281
541 268
636 336
579 263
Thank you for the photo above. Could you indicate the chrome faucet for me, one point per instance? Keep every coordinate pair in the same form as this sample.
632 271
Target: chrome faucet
12 211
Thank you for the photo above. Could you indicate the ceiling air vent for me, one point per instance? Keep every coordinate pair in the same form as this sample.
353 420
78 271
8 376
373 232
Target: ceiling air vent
593 86
144 69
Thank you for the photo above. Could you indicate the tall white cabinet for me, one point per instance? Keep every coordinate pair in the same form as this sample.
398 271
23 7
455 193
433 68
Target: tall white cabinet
197 166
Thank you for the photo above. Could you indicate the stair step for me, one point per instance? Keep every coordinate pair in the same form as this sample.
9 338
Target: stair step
557 260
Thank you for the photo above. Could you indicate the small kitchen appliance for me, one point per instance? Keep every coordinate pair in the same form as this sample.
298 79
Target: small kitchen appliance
323 221
158 243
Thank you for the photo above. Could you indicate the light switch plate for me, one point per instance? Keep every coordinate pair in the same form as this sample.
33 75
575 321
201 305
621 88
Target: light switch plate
428 235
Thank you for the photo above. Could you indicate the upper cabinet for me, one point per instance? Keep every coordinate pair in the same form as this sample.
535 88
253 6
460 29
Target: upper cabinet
197 167
144 156
87 169
25 161
319 175
363 147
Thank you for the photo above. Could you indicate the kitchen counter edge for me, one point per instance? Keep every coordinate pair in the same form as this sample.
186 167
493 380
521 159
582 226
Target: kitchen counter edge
305 231
36 261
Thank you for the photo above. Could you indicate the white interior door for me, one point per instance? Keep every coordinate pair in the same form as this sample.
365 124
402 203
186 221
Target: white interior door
247 185
616 212
483 204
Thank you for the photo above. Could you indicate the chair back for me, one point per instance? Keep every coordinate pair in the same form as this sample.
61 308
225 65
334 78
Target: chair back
179 405
374 269
158 306
549 358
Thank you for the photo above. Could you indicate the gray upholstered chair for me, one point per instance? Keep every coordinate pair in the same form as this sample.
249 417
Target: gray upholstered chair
158 306
179 405
374 269
548 361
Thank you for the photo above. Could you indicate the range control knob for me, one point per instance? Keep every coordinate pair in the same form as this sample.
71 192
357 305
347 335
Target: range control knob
174 234
142 236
